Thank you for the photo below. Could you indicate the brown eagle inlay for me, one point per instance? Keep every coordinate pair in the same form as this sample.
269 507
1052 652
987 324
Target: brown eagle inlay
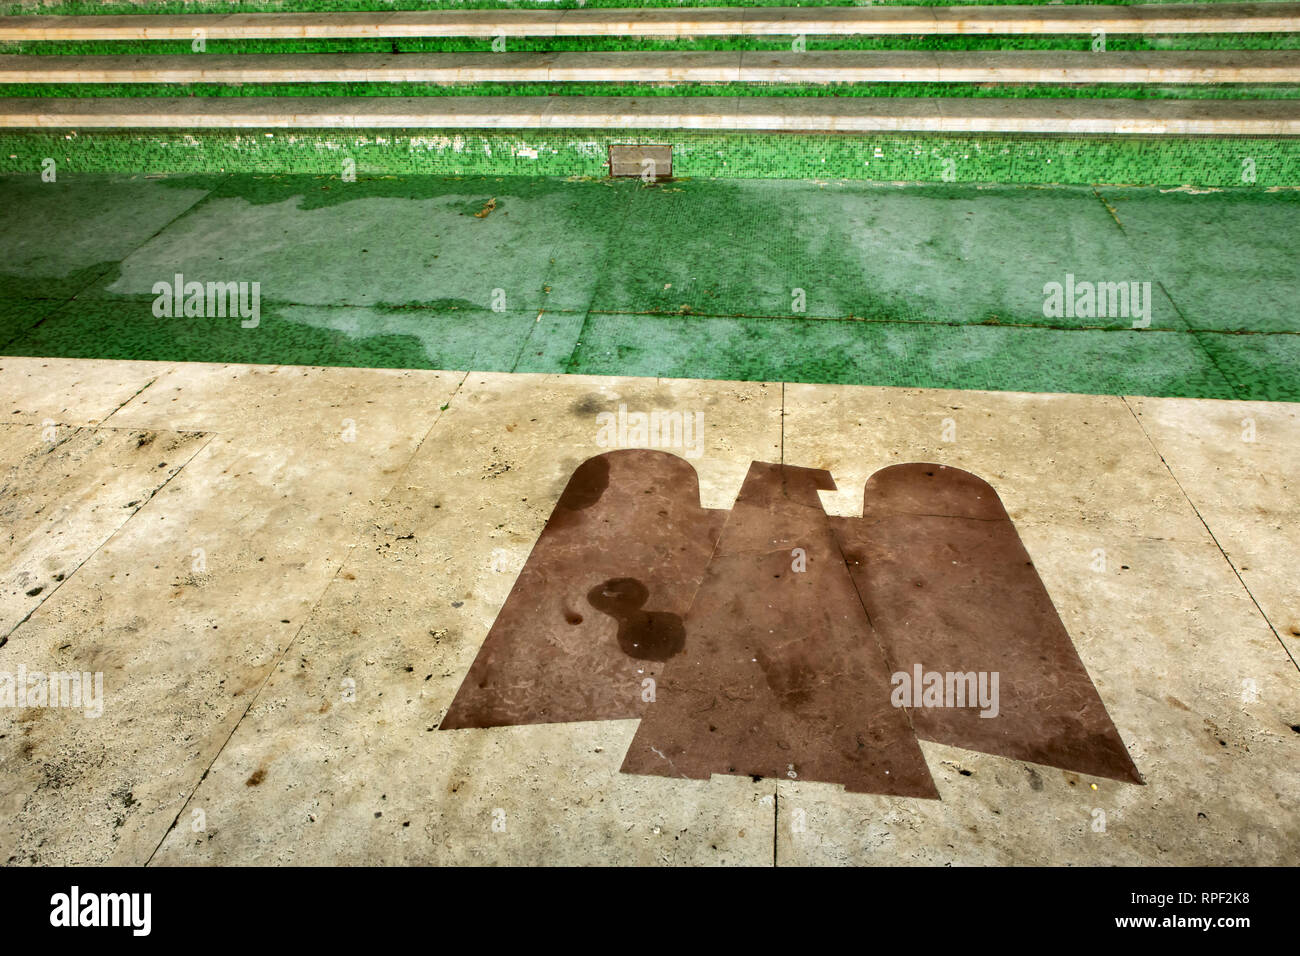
773 654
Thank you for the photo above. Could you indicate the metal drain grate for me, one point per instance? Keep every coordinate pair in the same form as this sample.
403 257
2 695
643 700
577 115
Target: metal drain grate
641 161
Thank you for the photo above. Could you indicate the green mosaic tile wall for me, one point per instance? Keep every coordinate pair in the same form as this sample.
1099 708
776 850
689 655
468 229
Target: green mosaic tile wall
1007 159
1036 160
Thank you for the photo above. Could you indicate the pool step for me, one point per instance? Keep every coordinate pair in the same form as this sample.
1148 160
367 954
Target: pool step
1148 19
1025 66
777 114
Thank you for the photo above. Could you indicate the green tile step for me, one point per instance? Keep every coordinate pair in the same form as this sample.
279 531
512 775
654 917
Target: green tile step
651 21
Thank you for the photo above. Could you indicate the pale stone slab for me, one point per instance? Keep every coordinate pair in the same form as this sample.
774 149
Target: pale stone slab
187 608
1147 117
865 21
853 66
42 391
308 771
1051 458
299 405
1153 18
64 491
1236 462
1201 693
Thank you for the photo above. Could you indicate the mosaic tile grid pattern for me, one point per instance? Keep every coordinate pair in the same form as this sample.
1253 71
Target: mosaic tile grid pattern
561 153
1036 160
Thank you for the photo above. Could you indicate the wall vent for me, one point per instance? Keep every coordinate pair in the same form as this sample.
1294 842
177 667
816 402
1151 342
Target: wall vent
641 161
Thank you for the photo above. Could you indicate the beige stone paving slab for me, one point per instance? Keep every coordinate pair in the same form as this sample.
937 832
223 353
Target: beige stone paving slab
888 66
666 66
1236 462
395 585
1051 458
188 606
306 406
471 23
1152 18
1162 66
63 491
1201 693
1199 688
649 21
308 24
1149 117
307 771
37 391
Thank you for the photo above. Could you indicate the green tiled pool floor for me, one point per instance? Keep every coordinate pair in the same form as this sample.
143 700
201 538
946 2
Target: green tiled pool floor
724 279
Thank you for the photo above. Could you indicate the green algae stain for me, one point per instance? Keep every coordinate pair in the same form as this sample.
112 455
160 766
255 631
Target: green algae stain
919 286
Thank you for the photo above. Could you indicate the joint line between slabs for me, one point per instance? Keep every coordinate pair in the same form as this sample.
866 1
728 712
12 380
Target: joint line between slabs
783 423
293 640
776 822
138 392
1245 587
134 249
4 638
253 700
